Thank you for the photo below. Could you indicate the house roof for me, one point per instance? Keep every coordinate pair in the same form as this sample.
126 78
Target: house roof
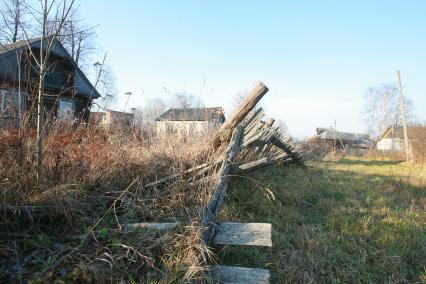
192 114
328 133
414 132
360 139
82 85
17 45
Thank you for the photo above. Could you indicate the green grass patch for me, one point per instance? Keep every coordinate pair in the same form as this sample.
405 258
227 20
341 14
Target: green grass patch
354 220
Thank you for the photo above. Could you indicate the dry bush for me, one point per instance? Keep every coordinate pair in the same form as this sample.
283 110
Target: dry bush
316 152
68 225
418 153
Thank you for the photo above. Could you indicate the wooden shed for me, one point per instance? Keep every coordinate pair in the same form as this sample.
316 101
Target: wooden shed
112 119
187 121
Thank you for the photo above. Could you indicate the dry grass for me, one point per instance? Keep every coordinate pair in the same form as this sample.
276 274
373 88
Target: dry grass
355 220
419 152
94 182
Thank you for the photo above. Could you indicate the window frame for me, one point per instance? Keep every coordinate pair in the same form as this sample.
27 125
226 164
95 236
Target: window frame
63 116
18 101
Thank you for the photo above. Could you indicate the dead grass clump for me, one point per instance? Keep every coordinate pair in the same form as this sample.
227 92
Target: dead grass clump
68 225
315 152
418 152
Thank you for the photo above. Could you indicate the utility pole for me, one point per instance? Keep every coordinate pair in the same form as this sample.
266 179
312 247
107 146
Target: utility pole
404 118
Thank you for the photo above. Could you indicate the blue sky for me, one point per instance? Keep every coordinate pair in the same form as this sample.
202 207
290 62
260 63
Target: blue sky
317 57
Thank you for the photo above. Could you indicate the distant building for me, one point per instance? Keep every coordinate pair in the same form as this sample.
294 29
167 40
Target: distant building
393 137
344 140
110 119
187 121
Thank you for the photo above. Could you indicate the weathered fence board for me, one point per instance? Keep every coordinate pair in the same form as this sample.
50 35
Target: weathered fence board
225 131
152 226
236 275
244 234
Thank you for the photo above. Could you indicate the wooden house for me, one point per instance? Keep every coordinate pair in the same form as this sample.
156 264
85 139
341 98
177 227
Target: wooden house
343 140
68 93
187 121
392 138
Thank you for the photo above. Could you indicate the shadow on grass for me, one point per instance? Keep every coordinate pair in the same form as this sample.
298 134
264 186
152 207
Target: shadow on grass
369 162
332 226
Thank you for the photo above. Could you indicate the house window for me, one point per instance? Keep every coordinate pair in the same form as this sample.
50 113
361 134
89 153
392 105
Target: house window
10 103
66 109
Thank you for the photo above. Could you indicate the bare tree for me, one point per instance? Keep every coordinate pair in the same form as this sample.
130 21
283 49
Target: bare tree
77 38
145 117
60 11
105 84
283 128
381 109
13 21
185 100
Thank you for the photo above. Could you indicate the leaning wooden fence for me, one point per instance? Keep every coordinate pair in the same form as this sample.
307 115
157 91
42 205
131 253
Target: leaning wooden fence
245 142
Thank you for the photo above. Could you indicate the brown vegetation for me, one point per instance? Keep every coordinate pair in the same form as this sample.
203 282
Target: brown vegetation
68 225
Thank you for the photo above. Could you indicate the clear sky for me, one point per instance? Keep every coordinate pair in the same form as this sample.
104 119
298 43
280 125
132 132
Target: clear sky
317 57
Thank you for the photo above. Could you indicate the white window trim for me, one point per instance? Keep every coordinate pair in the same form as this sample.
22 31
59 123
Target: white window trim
19 102
61 116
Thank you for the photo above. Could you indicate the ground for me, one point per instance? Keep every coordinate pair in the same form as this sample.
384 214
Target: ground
356 220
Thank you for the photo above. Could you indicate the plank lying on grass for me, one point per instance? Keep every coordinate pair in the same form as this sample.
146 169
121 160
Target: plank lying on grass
152 226
231 274
245 234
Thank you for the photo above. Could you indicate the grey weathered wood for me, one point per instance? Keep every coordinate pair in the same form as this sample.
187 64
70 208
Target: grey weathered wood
261 163
225 131
215 203
276 141
232 274
253 119
245 234
152 226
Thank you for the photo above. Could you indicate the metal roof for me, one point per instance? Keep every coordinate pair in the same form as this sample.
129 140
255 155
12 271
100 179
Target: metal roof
192 114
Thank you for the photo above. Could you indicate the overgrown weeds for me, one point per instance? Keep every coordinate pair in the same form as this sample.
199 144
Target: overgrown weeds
69 224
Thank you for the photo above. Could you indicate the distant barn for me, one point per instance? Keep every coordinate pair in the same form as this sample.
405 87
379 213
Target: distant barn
393 137
343 140
112 119
187 121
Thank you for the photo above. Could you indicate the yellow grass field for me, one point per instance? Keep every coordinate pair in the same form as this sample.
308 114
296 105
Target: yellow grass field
356 220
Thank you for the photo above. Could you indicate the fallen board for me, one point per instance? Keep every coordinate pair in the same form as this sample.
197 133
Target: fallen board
245 234
231 274
152 226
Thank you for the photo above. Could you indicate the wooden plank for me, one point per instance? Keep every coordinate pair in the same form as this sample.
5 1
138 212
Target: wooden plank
225 131
260 163
246 234
232 274
215 203
152 226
